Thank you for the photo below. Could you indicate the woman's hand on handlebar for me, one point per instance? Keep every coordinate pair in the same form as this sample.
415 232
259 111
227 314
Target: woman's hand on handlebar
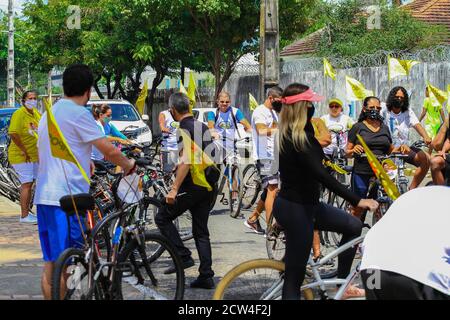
170 198
368 204
358 149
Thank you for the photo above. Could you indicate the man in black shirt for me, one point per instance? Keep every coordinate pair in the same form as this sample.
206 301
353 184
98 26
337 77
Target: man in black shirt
440 163
188 194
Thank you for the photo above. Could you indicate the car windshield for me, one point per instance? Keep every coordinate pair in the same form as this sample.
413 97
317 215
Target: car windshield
122 112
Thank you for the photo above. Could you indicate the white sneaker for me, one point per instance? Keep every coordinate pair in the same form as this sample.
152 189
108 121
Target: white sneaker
30 218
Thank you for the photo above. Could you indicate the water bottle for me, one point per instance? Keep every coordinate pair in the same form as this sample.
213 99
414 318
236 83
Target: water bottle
117 235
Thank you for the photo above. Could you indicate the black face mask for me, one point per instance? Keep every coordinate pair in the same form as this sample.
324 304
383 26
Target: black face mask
311 112
277 105
397 103
373 115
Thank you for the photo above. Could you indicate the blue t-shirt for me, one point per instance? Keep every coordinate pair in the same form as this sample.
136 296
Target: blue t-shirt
111 130
225 125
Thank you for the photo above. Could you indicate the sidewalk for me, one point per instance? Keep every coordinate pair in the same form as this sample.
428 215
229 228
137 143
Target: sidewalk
20 255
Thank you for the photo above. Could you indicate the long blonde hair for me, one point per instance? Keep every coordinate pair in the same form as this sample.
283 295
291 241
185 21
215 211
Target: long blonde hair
293 119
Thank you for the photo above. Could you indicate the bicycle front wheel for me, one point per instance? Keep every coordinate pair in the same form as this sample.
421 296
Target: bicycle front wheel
251 186
235 192
260 279
136 279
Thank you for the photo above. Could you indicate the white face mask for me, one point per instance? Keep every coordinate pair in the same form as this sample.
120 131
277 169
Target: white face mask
30 104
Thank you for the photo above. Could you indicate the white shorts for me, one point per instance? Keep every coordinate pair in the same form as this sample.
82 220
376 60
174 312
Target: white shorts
27 172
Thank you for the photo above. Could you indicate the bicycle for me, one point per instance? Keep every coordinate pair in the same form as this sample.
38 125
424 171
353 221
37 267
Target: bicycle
125 267
231 174
251 186
262 279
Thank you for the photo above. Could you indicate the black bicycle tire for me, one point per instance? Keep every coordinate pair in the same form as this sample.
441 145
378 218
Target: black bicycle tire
164 242
258 189
235 213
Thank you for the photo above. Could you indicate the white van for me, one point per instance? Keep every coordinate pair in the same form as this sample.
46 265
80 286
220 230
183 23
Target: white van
127 119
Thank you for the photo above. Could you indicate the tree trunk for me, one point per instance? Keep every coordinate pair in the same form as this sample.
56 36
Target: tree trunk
182 72
97 89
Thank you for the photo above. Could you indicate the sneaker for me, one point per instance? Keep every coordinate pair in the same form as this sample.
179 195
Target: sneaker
30 218
203 283
186 264
255 226
353 292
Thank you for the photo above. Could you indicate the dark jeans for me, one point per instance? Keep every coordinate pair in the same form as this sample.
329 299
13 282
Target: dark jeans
198 202
394 286
299 222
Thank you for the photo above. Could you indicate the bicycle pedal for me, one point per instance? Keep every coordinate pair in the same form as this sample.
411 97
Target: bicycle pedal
225 202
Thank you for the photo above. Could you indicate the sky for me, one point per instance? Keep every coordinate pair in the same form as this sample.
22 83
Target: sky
17 5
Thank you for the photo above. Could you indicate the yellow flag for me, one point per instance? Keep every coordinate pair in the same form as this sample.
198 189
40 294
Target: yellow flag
191 92
253 104
58 144
356 90
437 94
328 69
140 103
398 67
198 161
182 88
389 187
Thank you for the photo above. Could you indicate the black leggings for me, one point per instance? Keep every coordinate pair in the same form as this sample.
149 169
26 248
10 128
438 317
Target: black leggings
299 222
394 286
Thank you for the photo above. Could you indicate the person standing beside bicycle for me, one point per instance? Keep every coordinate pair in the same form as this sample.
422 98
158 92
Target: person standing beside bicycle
169 150
188 194
297 207
23 152
58 178
440 163
338 124
264 127
400 119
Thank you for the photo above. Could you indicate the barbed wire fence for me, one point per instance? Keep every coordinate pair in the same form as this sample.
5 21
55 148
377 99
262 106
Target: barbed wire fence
435 54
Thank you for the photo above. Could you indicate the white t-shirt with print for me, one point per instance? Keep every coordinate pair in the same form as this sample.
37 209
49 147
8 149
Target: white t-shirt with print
341 123
413 238
80 130
263 146
399 125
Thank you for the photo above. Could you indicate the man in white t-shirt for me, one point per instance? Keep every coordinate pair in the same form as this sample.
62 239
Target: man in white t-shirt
406 255
264 127
400 119
58 178
338 124
169 150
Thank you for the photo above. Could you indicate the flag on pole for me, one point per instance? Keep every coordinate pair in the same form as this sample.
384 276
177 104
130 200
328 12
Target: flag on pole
58 144
398 67
140 103
389 187
198 161
253 104
356 90
191 92
328 69
182 88
437 94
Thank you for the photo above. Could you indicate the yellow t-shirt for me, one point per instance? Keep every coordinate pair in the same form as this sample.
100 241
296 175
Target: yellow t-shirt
25 125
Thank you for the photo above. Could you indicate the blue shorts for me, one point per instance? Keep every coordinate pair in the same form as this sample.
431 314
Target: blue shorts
54 231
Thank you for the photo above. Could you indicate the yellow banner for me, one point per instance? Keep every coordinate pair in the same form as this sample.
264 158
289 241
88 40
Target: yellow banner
356 90
389 187
437 94
58 144
398 67
253 104
191 92
328 69
140 103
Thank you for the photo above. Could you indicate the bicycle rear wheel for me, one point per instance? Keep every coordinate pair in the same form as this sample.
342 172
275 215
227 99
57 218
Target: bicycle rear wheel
139 280
251 186
260 279
275 241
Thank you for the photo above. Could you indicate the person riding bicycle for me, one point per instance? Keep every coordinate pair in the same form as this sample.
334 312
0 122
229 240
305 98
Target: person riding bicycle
264 127
169 150
378 138
58 178
23 153
338 124
297 207
440 163
399 118
406 256
434 113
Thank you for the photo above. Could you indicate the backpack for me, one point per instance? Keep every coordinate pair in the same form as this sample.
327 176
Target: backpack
233 116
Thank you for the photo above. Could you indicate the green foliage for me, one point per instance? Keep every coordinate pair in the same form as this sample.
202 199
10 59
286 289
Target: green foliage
348 34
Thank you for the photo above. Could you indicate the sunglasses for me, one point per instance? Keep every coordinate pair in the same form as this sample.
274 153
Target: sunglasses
223 102
335 106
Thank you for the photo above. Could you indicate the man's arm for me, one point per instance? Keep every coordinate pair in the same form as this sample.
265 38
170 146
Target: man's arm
264 130
246 125
323 136
442 114
440 138
113 154
181 173
422 115
421 131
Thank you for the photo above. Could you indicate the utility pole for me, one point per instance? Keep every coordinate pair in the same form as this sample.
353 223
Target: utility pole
11 84
269 47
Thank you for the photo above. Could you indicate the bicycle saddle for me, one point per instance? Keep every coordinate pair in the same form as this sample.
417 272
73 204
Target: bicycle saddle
83 202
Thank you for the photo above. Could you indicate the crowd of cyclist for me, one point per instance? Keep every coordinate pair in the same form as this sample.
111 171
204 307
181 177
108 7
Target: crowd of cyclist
289 147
